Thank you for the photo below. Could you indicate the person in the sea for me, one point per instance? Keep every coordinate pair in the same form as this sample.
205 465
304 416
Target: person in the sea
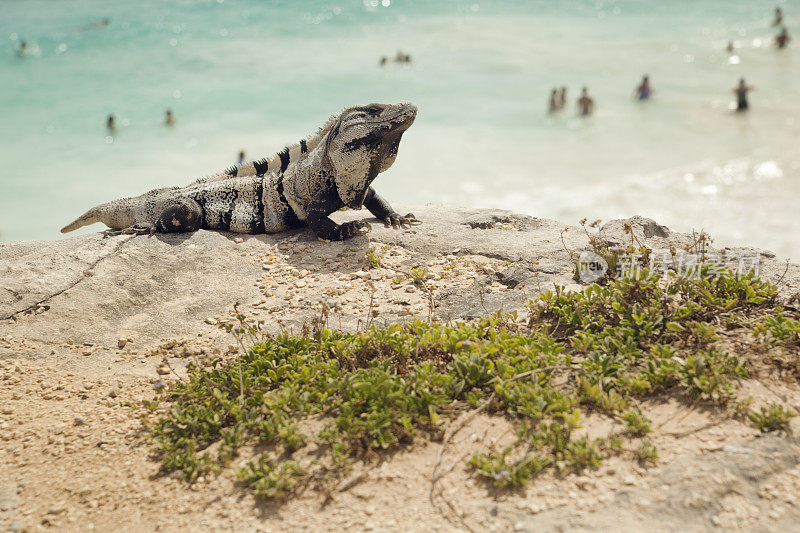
169 118
730 48
778 17
96 24
643 91
241 157
562 97
553 106
23 49
585 103
383 61
741 91
782 39
110 123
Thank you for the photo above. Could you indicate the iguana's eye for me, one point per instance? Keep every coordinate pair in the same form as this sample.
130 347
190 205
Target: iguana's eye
374 110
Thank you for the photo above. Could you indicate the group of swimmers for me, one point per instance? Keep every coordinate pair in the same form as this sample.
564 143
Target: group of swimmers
781 39
111 122
643 91
399 57
558 101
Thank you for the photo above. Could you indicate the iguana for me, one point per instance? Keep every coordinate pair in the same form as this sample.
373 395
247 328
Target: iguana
304 183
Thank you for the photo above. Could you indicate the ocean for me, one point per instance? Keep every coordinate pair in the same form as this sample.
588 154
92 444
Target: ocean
254 75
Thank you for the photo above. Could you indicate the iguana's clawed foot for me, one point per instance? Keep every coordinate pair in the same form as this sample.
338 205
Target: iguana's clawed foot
396 221
136 229
353 229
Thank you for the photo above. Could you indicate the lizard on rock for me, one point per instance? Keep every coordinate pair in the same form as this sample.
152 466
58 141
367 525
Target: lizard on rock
304 183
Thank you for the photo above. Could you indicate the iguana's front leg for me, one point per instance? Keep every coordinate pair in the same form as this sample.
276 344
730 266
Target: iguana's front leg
321 206
382 210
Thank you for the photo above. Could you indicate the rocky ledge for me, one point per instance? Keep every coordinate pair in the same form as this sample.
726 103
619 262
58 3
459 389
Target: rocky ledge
96 310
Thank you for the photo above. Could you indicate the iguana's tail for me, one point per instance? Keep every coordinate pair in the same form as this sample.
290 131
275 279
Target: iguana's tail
89 217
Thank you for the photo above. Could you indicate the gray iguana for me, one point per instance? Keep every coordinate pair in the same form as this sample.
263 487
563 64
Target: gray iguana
304 183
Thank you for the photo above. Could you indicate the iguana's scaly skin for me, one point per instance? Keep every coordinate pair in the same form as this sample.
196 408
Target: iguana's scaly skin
304 183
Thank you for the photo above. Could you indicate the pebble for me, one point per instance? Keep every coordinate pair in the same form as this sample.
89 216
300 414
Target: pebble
121 343
238 240
629 480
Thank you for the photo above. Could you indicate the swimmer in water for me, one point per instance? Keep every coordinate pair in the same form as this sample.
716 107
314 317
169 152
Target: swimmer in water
169 119
585 103
778 17
110 123
23 49
741 95
383 61
643 91
782 39
562 97
730 48
553 105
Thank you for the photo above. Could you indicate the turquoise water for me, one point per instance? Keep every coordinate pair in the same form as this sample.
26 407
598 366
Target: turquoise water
256 75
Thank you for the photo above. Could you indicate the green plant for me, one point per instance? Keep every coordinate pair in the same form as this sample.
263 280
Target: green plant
778 330
501 474
646 453
602 349
373 258
418 275
636 423
772 417
270 481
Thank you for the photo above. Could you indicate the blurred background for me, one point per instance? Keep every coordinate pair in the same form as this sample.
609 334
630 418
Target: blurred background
254 76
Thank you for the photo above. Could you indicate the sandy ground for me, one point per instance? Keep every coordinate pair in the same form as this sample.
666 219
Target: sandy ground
90 324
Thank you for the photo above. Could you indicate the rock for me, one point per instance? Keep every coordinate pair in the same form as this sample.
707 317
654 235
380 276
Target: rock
170 286
643 229
121 343
187 285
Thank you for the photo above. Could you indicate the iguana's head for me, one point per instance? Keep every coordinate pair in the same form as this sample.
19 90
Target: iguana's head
364 142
